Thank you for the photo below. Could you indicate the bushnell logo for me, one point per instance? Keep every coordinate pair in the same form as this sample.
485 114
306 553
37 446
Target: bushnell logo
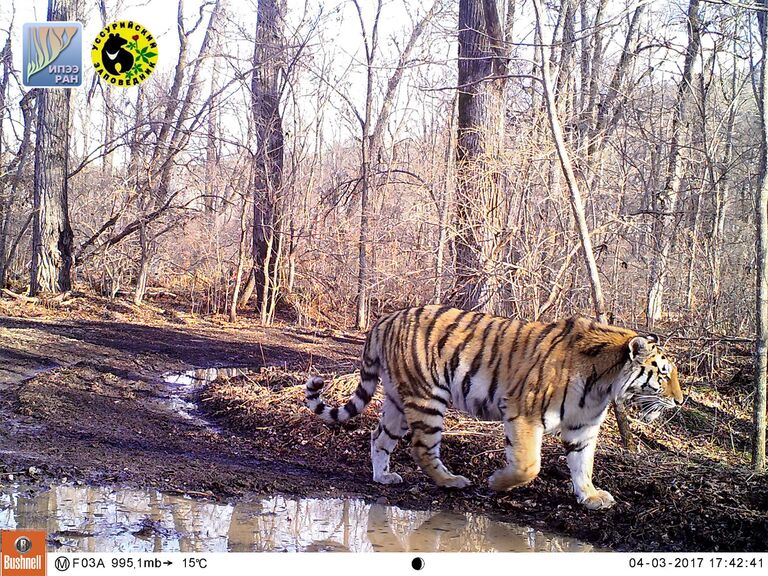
52 55
22 552
124 53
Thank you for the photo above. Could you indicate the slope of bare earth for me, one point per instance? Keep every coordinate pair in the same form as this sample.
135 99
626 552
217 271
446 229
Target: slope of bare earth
82 396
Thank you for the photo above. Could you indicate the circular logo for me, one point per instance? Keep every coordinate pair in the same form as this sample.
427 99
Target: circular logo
124 53
23 545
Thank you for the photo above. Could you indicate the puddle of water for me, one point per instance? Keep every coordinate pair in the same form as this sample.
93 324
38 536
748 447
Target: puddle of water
183 386
104 519
191 380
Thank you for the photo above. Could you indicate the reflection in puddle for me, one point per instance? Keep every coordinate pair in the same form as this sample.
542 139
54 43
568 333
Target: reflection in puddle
102 519
192 379
183 386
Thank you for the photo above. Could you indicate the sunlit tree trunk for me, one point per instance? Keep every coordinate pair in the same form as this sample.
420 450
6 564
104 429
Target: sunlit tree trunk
6 61
241 257
147 253
367 182
694 241
445 194
109 113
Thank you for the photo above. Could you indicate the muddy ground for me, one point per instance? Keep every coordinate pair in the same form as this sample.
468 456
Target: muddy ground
81 397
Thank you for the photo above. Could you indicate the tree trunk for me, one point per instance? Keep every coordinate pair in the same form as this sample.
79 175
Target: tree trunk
147 252
446 191
694 244
109 134
482 68
240 263
6 62
268 53
604 113
250 286
366 180
166 150
761 343
577 205
14 171
212 136
361 311
275 276
270 264
51 232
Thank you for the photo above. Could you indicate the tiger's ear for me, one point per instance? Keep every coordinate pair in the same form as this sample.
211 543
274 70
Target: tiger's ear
652 338
641 345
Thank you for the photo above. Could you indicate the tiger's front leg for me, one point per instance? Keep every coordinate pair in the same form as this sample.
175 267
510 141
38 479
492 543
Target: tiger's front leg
580 445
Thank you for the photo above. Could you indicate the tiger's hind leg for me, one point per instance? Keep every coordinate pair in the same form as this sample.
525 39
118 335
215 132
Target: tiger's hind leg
426 423
523 450
391 428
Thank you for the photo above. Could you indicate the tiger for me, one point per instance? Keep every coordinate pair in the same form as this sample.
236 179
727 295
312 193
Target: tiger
536 377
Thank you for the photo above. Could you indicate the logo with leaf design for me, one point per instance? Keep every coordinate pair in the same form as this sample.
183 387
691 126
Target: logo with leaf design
124 53
52 54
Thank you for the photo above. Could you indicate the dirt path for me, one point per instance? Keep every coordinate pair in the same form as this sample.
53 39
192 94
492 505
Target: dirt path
84 399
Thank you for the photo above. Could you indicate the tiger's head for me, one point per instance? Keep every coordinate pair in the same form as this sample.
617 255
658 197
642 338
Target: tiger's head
652 382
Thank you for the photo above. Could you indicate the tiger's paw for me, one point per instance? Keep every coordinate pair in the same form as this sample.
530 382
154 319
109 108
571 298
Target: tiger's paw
506 479
496 483
600 500
388 478
455 481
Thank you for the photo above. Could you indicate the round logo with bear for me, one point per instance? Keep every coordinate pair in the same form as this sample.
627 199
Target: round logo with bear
124 53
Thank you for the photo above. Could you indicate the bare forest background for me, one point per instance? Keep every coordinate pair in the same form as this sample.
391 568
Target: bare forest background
324 163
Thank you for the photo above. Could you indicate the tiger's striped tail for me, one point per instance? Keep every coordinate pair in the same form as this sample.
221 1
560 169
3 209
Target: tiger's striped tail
354 406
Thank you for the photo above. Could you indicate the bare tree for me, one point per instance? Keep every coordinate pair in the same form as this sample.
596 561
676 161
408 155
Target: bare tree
241 255
761 217
51 231
10 183
373 138
483 54
577 204
665 201
266 88
173 134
